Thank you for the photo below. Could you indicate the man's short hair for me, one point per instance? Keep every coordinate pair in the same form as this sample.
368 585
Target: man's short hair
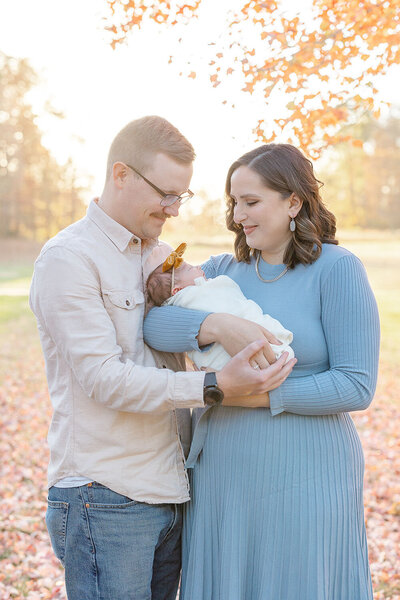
138 142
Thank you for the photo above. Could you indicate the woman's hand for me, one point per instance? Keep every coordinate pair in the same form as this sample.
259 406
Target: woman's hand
235 333
239 378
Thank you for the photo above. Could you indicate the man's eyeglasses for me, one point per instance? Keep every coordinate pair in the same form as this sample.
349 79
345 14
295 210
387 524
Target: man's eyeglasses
167 199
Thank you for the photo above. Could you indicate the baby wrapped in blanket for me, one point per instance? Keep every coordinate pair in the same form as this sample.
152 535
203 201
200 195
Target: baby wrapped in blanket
178 283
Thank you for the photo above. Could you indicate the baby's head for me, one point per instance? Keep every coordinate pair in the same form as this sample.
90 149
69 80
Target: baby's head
161 286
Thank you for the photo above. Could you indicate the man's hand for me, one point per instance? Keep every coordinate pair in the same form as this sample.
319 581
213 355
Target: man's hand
239 378
235 333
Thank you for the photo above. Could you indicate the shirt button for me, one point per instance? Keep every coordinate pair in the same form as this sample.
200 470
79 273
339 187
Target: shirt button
127 303
135 241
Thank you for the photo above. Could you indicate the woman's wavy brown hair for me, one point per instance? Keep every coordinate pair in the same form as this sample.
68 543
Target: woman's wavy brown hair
285 169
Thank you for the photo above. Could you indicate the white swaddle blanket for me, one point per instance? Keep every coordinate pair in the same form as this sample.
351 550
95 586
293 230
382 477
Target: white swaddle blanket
222 294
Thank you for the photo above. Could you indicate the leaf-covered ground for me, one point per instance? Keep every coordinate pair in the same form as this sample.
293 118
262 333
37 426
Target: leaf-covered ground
28 568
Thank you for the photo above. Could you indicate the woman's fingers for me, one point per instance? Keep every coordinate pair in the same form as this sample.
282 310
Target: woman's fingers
249 352
268 355
259 360
270 337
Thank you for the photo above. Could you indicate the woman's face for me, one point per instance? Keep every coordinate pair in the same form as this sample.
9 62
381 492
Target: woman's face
262 212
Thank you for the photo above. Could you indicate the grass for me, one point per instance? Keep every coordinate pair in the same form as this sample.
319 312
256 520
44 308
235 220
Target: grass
13 308
15 272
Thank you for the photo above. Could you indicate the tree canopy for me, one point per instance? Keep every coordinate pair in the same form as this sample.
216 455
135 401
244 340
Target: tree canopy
324 61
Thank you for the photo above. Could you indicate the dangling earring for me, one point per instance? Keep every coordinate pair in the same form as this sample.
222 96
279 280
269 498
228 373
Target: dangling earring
292 225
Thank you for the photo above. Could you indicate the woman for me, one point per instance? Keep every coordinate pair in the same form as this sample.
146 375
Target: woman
277 509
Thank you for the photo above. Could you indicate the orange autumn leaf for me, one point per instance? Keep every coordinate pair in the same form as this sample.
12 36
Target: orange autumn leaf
214 80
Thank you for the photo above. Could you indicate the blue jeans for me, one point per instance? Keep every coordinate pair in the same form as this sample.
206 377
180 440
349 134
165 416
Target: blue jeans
112 547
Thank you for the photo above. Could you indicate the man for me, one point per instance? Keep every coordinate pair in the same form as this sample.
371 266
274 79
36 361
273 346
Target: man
116 473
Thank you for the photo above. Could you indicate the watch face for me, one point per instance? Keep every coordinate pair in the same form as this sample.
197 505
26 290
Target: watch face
213 396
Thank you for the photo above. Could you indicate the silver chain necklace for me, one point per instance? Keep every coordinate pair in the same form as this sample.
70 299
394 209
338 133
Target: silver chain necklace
285 270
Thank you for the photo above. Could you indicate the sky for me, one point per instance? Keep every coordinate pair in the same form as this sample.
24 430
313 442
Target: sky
99 90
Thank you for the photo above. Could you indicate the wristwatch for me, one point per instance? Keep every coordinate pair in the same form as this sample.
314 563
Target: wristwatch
212 394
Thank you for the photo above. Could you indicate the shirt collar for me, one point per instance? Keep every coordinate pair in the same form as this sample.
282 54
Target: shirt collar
117 233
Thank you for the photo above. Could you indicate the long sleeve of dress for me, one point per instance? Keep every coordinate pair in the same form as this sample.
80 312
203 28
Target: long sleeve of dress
351 327
181 333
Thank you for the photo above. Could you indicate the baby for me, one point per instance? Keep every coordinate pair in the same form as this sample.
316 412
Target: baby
178 283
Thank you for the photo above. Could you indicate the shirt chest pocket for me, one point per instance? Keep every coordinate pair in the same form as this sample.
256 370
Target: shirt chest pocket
126 310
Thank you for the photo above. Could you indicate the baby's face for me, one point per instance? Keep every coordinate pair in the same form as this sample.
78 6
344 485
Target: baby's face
186 274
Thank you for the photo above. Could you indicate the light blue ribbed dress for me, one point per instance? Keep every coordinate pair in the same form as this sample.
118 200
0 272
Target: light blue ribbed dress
277 494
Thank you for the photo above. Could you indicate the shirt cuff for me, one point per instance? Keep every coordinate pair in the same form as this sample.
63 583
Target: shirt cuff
189 390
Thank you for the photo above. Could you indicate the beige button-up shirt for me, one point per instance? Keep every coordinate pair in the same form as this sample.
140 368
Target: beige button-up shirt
115 418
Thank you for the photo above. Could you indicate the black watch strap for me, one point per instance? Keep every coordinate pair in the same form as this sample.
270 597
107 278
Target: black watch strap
210 379
211 392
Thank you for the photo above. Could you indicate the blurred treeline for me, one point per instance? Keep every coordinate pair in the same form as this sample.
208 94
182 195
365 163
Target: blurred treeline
38 196
362 180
